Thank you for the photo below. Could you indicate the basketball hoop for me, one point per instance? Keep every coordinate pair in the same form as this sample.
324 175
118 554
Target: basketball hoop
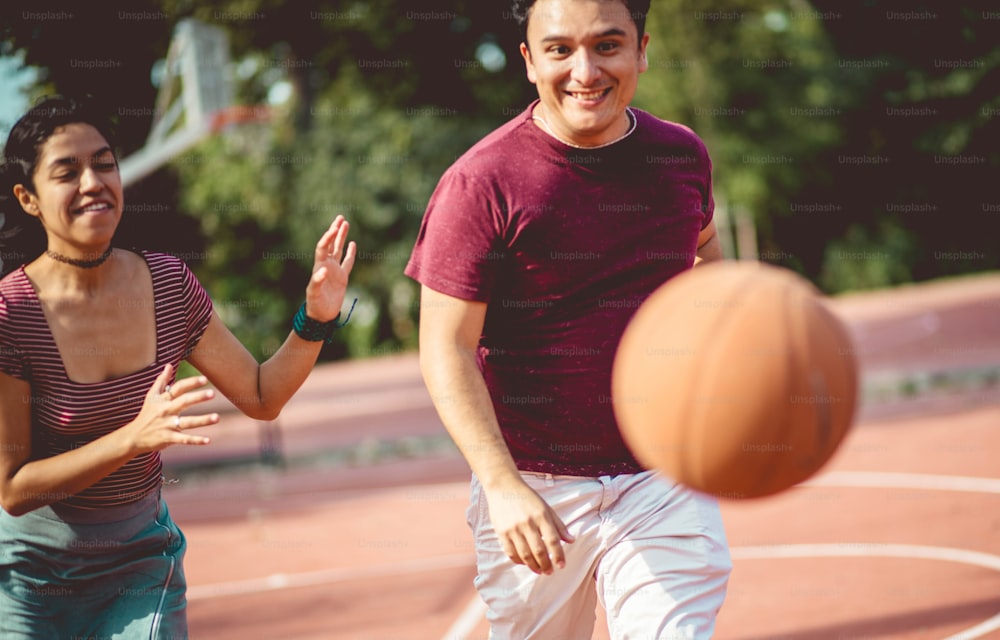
194 100
239 114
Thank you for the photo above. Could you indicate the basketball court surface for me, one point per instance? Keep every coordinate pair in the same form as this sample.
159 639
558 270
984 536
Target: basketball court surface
345 519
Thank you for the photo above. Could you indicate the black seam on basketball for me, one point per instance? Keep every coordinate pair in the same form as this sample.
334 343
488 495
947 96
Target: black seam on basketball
824 421
700 372
768 471
847 371
821 389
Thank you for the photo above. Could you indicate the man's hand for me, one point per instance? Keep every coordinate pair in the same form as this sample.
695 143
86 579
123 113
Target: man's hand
529 530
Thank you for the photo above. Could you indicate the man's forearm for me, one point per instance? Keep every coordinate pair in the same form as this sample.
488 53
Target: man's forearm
710 251
463 403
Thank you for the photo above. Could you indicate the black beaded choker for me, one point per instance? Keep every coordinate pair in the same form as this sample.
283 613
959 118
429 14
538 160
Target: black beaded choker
83 264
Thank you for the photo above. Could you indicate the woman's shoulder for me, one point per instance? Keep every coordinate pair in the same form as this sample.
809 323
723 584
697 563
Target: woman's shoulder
171 275
163 265
15 286
18 301
159 258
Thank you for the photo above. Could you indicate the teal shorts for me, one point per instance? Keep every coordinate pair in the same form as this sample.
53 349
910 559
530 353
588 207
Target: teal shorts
103 574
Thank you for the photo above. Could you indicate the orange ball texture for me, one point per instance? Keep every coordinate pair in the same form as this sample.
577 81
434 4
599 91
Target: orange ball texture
735 379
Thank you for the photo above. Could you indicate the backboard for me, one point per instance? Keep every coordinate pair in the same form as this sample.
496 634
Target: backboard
195 98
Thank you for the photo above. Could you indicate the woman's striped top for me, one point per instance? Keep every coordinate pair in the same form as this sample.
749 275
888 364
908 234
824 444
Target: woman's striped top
66 414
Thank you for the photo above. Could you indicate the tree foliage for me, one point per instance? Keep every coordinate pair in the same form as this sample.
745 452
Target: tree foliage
918 155
757 81
859 134
859 137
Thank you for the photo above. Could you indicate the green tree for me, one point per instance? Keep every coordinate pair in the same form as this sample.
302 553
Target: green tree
378 168
913 172
372 121
383 99
857 137
842 127
756 79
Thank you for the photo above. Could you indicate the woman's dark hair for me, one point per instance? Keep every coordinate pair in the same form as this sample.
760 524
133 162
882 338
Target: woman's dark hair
637 9
21 236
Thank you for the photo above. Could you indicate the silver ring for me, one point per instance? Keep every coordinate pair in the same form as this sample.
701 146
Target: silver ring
177 422
166 390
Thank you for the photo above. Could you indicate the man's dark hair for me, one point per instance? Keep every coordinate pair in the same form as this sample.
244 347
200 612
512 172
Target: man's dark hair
637 9
21 236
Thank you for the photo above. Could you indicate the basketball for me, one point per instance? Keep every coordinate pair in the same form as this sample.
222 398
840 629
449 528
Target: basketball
735 379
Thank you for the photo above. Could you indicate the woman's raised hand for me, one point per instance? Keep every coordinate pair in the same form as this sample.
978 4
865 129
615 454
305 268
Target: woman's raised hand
331 268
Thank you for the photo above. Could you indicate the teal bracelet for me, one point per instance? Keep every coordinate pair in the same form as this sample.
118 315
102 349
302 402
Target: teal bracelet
314 330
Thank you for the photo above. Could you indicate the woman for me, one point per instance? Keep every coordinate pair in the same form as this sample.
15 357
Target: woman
90 339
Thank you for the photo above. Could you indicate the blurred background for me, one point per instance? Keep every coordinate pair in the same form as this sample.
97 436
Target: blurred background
854 142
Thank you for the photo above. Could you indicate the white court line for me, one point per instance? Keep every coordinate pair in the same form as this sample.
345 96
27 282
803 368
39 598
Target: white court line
470 618
474 611
891 480
868 550
329 576
979 630
864 479
876 550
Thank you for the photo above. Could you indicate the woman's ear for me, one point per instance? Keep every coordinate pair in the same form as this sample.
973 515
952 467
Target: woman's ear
27 200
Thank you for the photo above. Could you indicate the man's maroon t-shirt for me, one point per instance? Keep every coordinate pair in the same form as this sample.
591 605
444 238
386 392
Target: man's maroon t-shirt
563 244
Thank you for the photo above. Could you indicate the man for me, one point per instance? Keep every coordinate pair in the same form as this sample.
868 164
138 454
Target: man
536 248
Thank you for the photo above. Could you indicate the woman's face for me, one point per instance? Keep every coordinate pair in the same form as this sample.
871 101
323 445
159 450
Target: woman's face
78 191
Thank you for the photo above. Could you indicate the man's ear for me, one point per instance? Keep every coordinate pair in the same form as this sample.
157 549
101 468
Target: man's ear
643 62
529 66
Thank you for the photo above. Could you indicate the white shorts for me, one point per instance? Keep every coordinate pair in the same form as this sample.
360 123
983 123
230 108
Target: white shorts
652 552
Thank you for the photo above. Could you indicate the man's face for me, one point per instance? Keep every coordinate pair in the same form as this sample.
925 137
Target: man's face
584 57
